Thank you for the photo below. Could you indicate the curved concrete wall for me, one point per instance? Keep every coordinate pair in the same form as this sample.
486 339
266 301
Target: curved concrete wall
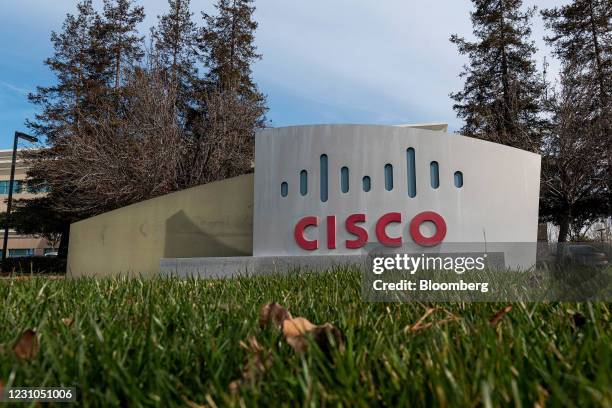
214 219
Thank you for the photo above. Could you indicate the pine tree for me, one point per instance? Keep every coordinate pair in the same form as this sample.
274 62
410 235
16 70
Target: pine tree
174 52
124 44
229 108
500 100
582 39
175 41
228 47
81 71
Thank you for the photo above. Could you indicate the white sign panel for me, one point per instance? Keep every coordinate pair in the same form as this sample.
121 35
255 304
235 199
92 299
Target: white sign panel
332 189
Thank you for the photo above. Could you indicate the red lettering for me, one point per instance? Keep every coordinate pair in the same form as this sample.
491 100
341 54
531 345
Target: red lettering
381 232
359 232
298 233
438 222
331 231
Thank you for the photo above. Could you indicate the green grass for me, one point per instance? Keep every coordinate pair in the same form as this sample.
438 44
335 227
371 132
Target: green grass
162 342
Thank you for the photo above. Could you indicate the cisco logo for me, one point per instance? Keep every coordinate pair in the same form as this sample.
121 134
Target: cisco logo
353 221
366 181
332 189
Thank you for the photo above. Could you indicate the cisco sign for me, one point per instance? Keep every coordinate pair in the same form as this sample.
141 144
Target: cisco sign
353 227
331 189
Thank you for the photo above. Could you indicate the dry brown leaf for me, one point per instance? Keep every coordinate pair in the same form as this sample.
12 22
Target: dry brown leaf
68 321
297 326
26 347
326 336
499 315
299 344
295 329
273 314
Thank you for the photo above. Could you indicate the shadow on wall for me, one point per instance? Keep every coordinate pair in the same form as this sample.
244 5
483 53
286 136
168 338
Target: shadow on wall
185 239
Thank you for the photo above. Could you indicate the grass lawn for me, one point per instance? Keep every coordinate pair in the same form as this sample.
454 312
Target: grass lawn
168 342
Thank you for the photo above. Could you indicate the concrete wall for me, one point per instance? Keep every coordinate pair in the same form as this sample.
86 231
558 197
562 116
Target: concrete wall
215 219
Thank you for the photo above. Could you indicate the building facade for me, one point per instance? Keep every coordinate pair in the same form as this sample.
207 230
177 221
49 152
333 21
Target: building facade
19 245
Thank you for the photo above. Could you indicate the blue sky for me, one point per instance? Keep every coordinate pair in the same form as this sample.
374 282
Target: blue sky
324 61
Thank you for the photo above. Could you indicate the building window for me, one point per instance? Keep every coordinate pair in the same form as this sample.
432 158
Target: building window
19 253
17 187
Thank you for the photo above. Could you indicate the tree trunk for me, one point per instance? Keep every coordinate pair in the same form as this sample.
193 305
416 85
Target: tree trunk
564 226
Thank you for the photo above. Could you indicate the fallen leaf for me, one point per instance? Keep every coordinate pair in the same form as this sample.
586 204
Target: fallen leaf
295 330
299 344
68 321
326 336
297 327
498 316
27 345
273 313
